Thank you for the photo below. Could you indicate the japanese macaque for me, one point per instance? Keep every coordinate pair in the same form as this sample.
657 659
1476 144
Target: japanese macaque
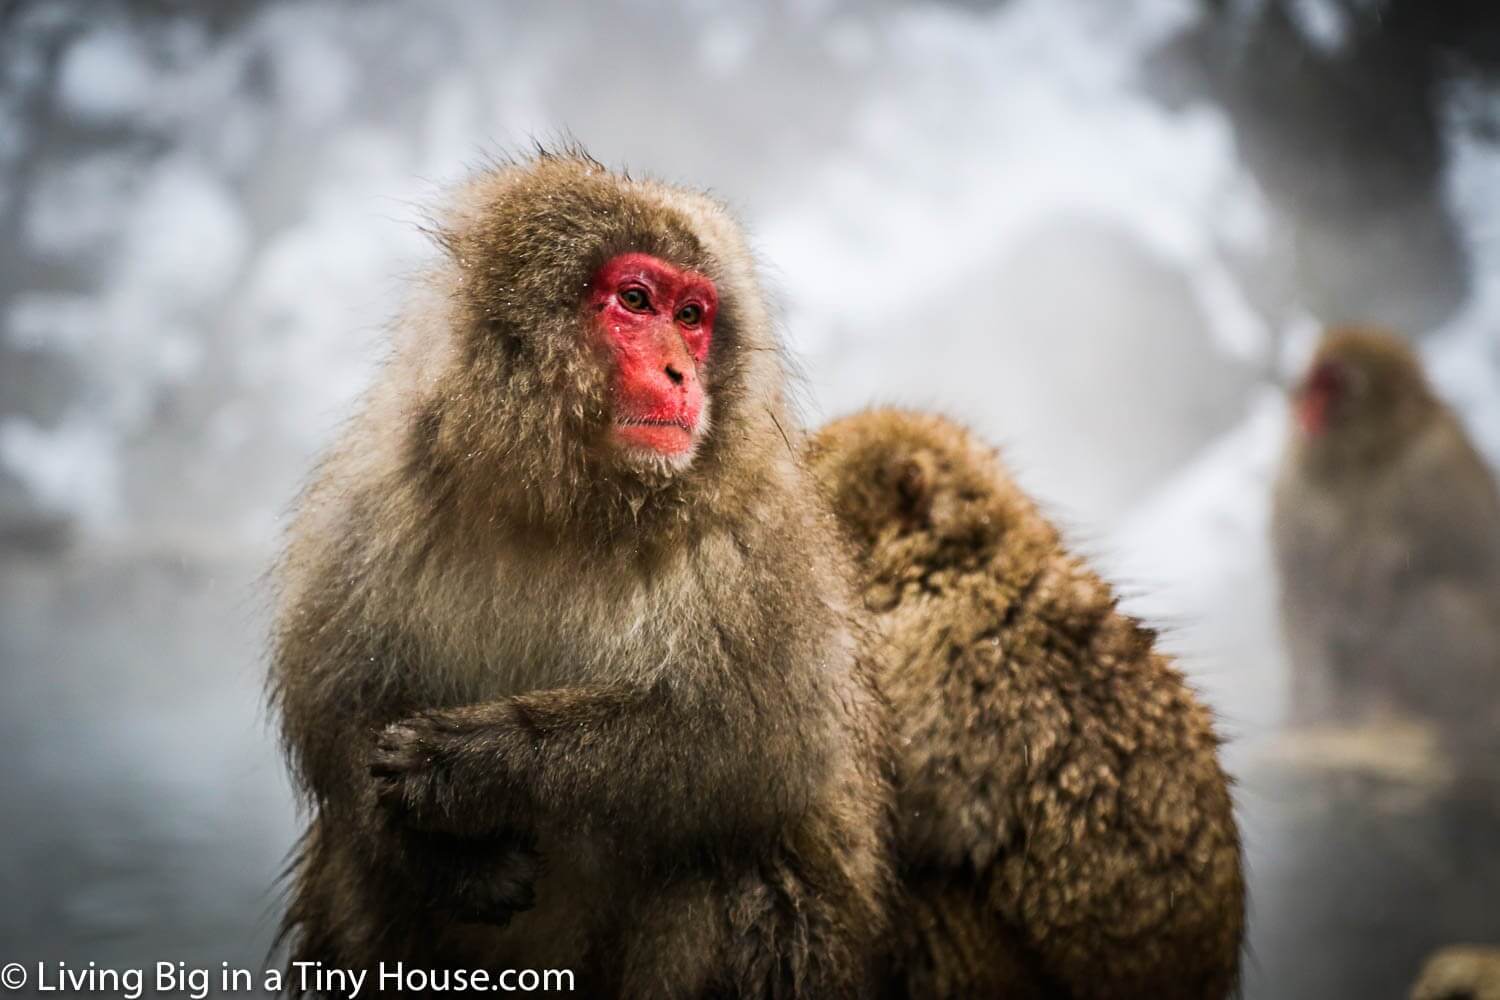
1386 527
1460 973
566 658
1063 823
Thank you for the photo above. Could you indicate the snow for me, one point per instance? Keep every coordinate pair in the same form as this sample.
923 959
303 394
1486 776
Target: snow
1464 358
1322 22
183 221
65 466
77 208
106 75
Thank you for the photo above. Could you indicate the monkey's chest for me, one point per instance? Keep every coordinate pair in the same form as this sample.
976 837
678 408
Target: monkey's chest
558 626
1351 552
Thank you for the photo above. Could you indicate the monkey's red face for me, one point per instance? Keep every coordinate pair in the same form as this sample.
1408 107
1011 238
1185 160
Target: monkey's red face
656 321
1335 392
1319 395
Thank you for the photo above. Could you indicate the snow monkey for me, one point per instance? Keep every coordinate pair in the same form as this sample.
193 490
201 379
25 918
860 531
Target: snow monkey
1064 827
1386 526
566 657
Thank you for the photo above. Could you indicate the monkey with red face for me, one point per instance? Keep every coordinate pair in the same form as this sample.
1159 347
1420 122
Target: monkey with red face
1386 525
566 660
1386 534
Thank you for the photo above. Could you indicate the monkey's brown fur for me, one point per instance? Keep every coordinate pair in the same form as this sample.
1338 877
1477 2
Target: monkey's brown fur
1064 825
1386 529
629 696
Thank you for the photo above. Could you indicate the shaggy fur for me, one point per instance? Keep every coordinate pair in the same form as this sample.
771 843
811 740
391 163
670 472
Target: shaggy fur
553 710
1064 825
1387 539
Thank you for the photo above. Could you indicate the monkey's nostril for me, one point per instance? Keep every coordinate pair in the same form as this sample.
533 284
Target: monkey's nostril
674 374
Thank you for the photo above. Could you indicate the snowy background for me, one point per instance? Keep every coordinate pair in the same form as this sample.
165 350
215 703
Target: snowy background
1103 232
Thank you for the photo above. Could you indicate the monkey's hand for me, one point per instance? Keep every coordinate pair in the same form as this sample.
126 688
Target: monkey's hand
465 858
444 772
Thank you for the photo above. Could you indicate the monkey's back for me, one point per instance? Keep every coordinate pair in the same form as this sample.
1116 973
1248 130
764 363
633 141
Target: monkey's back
1052 765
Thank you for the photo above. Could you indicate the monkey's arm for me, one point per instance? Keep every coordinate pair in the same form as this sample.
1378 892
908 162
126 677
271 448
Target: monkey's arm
331 712
656 760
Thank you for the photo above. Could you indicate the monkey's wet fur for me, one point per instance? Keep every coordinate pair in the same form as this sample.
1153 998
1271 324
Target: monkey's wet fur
587 659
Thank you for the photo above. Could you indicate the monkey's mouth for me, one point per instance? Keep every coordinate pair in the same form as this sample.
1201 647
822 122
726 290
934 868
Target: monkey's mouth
662 435
654 422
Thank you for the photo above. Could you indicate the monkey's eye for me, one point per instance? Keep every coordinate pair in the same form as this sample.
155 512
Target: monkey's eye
636 299
690 314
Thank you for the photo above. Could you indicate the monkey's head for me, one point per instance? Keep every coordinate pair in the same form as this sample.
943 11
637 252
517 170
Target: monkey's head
611 356
907 487
1363 395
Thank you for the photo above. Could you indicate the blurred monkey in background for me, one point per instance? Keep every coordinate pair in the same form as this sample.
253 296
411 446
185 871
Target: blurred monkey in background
1386 530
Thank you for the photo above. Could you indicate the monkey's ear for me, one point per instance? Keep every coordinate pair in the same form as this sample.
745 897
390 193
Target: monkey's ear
914 482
